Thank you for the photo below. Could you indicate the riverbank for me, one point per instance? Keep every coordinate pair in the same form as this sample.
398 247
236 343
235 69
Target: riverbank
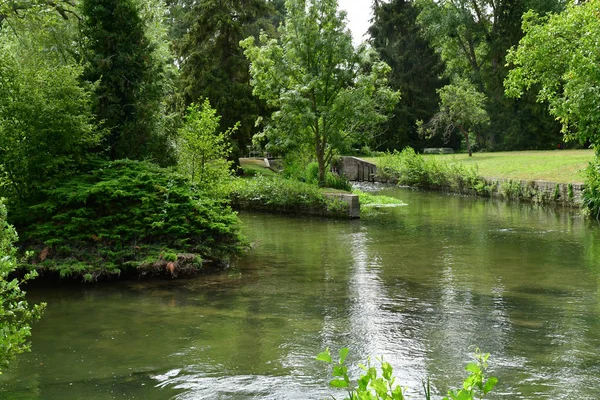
451 174
560 166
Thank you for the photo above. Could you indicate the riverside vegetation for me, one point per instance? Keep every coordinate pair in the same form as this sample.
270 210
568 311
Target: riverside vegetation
113 161
407 168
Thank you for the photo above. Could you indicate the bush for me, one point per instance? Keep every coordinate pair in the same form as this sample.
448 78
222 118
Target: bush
127 214
16 314
411 169
591 189
282 195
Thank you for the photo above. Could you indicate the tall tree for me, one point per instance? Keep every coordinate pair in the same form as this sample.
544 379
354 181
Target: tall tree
46 119
416 71
206 39
558 58
123 60
325 92
462 108
472 37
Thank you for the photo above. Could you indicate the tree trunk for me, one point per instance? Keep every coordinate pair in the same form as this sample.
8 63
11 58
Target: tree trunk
321 162
466 135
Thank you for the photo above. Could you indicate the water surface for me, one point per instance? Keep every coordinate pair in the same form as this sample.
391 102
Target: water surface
420 285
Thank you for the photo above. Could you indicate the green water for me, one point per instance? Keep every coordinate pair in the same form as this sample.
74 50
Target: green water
418 284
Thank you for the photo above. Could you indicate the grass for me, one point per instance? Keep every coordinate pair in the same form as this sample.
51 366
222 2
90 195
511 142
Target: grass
255 166
563 166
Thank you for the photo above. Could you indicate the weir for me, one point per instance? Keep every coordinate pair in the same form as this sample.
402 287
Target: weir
357 170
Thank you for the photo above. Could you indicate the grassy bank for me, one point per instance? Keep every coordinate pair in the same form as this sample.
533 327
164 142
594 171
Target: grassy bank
561 166
434 173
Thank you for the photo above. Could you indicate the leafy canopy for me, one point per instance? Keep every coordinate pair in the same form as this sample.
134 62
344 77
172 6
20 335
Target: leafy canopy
46 122
558 57
326 94
461 107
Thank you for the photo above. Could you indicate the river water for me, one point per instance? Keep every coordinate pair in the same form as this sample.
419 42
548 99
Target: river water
421 285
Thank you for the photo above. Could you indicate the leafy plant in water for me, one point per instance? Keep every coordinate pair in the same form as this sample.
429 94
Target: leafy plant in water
380 384
475 385
369 384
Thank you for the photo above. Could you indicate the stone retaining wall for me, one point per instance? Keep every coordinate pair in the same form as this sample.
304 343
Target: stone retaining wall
535 191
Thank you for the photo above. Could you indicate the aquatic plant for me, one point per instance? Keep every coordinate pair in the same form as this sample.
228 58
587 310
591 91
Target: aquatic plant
380 384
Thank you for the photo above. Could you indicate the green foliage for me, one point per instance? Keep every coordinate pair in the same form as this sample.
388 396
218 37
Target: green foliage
558 58
475 385
206 36
16 315
372 200
380 384
411 169
131 78
202 151
46 128
461 106
125 213
591 189
332 181
472 38
416 71
282 195
325 93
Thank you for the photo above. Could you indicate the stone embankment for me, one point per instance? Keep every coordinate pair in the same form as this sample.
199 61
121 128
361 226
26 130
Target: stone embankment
535 191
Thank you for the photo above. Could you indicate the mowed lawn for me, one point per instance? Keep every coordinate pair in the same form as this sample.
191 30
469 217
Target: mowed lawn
553 165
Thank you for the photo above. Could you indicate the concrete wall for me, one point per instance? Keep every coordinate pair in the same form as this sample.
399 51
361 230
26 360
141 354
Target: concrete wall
565 194
350 199
358 170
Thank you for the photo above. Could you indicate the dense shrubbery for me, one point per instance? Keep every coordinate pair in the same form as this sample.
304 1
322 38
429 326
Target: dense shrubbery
282 195
127 214
591 189
410 169
16 314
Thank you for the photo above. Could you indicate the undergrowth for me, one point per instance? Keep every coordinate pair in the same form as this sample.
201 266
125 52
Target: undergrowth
408 168
283 195
591 189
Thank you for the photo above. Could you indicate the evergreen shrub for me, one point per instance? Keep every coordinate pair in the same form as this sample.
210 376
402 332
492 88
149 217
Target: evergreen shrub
128 214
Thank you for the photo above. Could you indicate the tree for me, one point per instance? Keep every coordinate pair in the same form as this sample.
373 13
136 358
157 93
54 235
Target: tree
202 151
326 93
472 37
462 107
46 121
16 315
416 71
558 57
206 39
131 78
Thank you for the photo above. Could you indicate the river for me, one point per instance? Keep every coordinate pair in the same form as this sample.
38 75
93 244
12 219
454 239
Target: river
421 285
